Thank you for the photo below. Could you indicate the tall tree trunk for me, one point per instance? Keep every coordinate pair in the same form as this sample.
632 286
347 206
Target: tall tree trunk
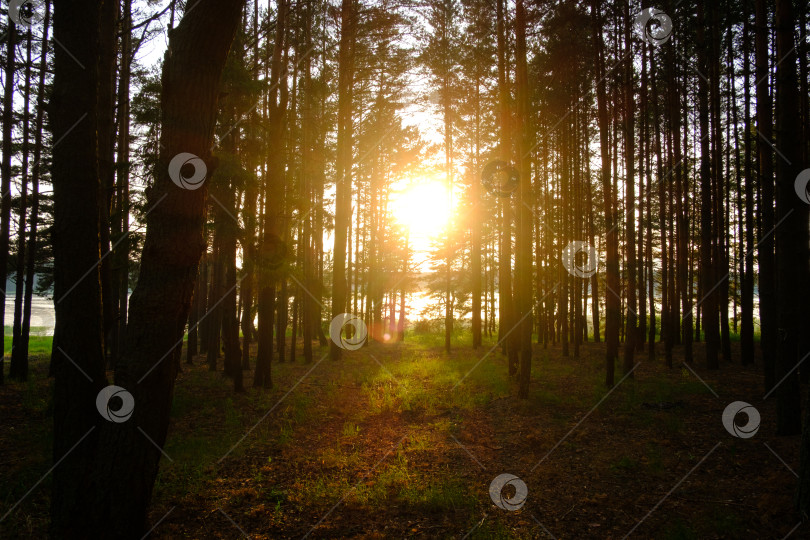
792 252
343 182
121 257
272 251
31 249
505 301
90 482
249 217
765 255
524 246
707 236
612 309
77 334
19 364
448 164
230 319
682 206
476 217
631 331
662 222
228 229
5 171
106 157
747 292
643 152
720 264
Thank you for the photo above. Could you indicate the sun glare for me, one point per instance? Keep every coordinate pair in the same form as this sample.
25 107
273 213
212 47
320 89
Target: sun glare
423 208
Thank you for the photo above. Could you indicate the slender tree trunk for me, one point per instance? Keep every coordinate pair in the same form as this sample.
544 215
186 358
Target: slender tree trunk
121 256
612 309
308 306
707 236
194 316
405 264
249 217
5 171
272 251
591 234
106 157
747 293
643 152
343 186
19 364
505 300
227 228
523 129
765 256
662 222
476 217
720 264
202 288
631 331
215 294
31 250
282 304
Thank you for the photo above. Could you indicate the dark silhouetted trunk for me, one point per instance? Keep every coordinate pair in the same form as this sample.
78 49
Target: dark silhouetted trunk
343 182
765 256
707 235
90 482
792 250
31 249
5 170
612 308
631 332
19 364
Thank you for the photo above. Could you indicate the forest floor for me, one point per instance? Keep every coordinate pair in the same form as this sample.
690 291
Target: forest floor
386 444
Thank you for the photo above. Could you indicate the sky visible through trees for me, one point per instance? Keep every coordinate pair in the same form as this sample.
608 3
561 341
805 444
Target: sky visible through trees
545 202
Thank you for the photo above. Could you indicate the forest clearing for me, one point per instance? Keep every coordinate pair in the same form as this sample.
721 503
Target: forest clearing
384 445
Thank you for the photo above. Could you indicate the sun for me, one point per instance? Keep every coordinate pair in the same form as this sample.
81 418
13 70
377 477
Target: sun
423 207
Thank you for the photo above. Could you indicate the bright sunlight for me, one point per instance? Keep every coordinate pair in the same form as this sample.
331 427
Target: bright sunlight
424 209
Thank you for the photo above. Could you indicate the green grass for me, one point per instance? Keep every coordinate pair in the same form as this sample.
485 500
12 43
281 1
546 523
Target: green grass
438 495
38 345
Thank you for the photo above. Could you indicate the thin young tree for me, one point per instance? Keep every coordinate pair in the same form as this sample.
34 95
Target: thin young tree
612 307
343 165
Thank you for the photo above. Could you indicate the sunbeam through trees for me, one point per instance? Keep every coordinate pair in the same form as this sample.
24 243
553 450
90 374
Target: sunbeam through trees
387 269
